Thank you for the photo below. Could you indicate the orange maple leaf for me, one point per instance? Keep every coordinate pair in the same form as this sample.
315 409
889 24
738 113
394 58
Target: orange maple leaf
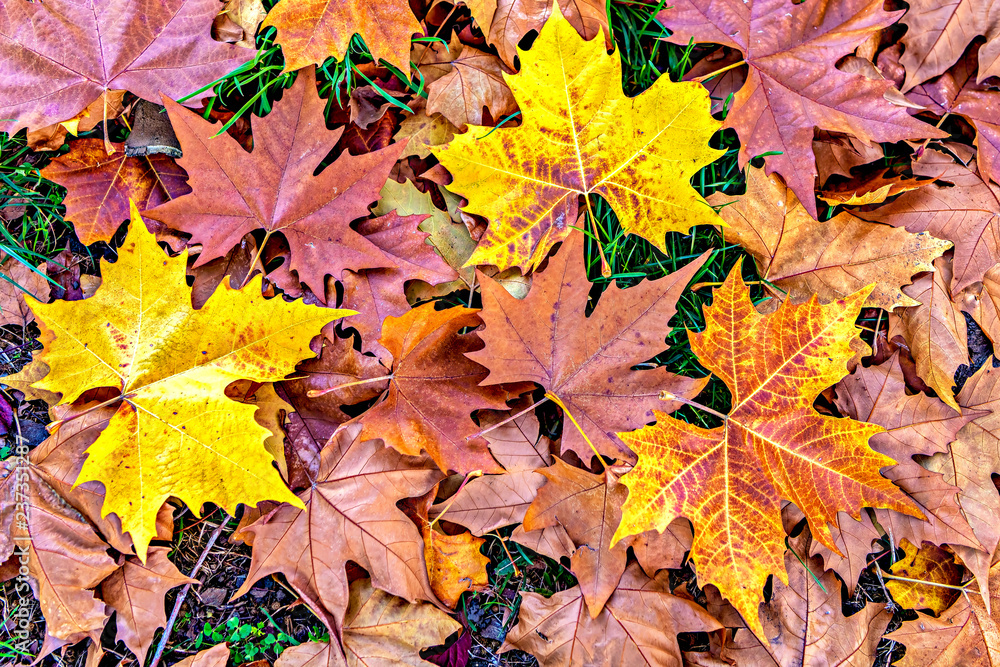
773 445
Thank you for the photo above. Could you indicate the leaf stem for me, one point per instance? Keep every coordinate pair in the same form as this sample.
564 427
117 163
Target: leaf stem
717 72
509 419
503 543
963 588
451 501
260 249
555 399
52 427
316 393
667 396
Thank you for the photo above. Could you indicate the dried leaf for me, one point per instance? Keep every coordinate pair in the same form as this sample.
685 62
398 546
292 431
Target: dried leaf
352 516
928 563
729 480
831 259
586 361
138 335
638 153
147 47
786 94
100 186
273 188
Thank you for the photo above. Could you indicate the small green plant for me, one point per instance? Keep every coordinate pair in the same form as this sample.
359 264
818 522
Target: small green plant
247 641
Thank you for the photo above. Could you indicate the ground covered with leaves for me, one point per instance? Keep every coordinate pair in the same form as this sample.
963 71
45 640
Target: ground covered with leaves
482 332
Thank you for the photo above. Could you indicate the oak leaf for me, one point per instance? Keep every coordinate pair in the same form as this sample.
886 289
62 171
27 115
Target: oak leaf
350 515
586 361
773 444
589 507
138 335
434 389
638 626
929 563
273 188
804 624
964 208
831 259
310 31
380 629
147 47
939 32
789 93
136 591
581 136
99 186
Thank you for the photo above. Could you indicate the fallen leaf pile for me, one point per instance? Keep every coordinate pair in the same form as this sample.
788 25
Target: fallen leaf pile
379 321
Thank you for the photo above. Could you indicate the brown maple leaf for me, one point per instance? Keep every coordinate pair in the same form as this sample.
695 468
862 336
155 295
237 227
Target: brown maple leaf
473 81
380 293
638 626
586 361
915 426
65 558
136 591
963 208
838 153
935 330
969 465
99 186
58 56
491 501
956 92
966 634
793 85
272 188
434 389
379 630
831 259
351 516
19 280
804 624
315 418
513 19
589 507
939 32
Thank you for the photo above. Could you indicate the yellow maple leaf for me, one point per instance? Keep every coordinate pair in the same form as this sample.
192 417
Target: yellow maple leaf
773 445
581 135
175 432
